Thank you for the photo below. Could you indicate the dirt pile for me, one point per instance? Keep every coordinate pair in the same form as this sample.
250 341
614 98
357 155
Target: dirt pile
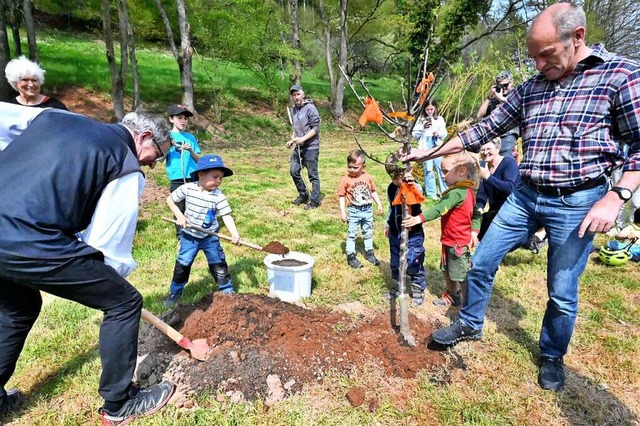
265 348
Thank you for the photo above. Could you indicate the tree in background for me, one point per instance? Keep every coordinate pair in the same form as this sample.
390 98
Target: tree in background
295 77
616 24
127 53
27 13
5 54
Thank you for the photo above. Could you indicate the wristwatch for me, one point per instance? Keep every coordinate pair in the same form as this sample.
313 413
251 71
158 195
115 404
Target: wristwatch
624 193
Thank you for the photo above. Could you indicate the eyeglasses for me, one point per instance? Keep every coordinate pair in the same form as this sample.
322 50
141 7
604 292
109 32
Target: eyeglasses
161 155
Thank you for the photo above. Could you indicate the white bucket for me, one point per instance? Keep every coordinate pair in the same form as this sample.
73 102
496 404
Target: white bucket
289 283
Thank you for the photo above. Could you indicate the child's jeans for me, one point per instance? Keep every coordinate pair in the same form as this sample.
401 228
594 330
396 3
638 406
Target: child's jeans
189 247
415 261
359 217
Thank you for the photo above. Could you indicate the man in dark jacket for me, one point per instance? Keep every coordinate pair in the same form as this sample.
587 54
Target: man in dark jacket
306 143
68 224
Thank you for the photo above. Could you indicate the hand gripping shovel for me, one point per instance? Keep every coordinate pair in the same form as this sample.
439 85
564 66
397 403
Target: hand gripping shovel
198 348
273 247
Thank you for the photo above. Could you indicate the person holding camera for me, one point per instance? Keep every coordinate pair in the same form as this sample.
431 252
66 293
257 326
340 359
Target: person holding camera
184 154
497 95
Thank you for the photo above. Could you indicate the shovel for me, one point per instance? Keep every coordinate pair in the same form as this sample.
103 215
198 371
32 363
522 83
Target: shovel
274 247
198 348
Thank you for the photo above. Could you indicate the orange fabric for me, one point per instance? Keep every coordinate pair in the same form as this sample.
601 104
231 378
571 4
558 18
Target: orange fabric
371 114
424 87
401 114
411 193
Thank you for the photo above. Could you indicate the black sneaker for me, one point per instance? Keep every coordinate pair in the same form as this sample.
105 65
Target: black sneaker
312 205
10 402
144 403
371 258
551 376
455 333
353 262
301 199
172 300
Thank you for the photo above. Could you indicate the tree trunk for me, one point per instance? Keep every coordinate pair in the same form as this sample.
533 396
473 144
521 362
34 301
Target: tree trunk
13 18
116 78
134 68
186 53
338 91
326 36
5 55
296 76
27 11
128 48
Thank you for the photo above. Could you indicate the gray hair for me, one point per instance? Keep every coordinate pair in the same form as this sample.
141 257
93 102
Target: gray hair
19 68
139 122
565 20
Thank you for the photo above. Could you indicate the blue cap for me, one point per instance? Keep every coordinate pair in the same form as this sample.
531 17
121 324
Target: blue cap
295 88
208 162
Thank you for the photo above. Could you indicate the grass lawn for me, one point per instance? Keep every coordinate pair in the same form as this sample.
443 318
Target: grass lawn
492 382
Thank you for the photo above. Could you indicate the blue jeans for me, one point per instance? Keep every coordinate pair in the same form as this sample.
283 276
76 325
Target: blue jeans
508 144
522 214
431 167
189 247
309 159
415 261
359 217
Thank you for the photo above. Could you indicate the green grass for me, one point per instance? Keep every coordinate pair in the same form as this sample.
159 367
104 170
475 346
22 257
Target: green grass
492 382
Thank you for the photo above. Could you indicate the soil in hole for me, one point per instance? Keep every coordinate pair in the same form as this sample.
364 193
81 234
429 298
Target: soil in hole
254 338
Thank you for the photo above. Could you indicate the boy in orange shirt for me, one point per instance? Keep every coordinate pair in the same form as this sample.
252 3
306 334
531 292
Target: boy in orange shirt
357 191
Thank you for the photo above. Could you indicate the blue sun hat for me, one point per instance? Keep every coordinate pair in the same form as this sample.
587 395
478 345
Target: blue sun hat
208 162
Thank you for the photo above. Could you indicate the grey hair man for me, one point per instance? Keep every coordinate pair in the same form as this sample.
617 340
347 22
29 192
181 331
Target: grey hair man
572 115
68 230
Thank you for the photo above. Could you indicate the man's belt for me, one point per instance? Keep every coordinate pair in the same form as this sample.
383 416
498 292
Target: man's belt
558 192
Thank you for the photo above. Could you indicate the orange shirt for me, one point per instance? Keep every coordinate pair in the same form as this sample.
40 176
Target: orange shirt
358 190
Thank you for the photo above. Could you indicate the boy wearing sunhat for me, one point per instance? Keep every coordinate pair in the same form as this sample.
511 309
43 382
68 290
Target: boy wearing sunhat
204 202
184 152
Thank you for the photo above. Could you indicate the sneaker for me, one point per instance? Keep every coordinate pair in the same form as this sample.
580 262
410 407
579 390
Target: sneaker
371 258
172 300
10 402
455 333
301 199
551 376
417 300
353 262
144 403
312 205
391 295
449 299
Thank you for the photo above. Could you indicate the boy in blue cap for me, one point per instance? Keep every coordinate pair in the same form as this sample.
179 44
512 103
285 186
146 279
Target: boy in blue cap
204 202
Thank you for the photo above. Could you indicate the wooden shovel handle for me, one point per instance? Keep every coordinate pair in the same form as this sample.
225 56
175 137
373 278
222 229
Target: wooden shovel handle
217 234
165 328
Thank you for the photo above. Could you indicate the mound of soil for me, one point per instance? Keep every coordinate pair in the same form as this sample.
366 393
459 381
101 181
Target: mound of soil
262 347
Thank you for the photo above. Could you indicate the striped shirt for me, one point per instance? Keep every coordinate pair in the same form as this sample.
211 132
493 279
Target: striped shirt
198 203
572 131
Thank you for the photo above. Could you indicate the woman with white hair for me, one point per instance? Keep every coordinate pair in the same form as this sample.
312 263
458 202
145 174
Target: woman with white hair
26 77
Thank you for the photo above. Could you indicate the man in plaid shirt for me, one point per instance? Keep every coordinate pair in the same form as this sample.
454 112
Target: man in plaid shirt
572 116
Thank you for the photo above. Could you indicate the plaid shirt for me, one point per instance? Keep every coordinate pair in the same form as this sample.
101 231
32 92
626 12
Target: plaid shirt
572 131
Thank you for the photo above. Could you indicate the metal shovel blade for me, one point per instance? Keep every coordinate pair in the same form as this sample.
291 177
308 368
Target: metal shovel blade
198 348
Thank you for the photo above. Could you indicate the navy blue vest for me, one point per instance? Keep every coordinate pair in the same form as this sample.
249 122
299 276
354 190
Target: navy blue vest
51 178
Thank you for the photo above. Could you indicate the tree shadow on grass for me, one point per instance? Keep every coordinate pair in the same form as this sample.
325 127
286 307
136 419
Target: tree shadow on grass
582 401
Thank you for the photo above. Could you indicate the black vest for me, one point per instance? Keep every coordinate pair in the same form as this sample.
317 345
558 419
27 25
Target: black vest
51 178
